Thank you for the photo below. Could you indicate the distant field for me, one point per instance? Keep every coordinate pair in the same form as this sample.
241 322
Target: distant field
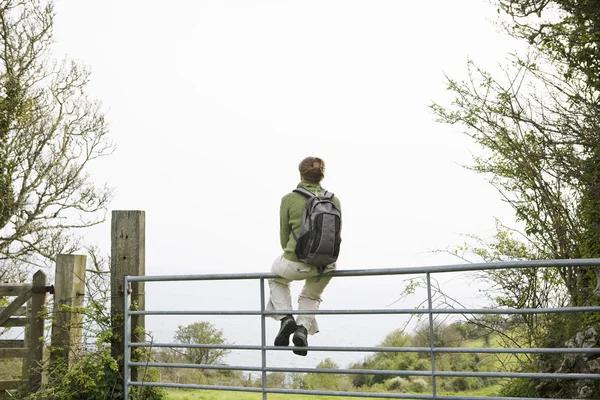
223 395
488 361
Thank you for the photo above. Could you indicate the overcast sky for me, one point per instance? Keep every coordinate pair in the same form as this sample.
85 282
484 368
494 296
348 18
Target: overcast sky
212 105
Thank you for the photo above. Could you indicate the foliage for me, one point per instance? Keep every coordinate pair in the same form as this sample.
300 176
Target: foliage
93 374
538 124
93 377
566 30
196 376
10 369
49 132
201 333
446 335
276 379
325 381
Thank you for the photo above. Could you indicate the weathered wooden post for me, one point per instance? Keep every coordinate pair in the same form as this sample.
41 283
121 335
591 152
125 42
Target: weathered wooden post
69 290
128 248
36 331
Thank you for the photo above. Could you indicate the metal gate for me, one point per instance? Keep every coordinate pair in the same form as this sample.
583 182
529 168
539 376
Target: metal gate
429 312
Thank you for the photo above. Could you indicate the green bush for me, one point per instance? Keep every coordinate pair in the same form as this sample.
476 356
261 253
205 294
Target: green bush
419 385
322 381
94 377
397 384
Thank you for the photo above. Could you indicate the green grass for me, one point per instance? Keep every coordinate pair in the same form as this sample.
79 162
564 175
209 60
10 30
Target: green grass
223 395
175 394
494 362
488 391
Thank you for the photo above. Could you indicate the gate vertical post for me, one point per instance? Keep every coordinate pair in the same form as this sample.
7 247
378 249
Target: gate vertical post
36 331
431 335
127 336
263 338
69 291
128 258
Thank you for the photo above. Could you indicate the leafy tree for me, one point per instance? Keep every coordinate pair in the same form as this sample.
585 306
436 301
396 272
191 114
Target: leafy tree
276 380
94 374
444 335
392 360
567 30
49 131
396 338
201 333
324 381
538 125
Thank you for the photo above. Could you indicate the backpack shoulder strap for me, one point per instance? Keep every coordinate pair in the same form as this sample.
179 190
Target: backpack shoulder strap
304 192
328 195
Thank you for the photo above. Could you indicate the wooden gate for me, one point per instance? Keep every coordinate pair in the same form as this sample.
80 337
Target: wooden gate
26 310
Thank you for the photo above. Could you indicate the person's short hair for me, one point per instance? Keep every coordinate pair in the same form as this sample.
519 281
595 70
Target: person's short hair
312 169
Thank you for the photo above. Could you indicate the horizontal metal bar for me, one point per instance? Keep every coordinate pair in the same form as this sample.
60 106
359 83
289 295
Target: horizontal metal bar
197 346
483 350
395 395
192 386
326 393
43 289
532 375
196 366
289 391
414 396
536 375
515 350
380 311
279 369
190 312
495 398
584 262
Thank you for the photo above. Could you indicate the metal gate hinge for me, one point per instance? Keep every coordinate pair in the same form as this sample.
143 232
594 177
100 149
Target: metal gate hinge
43 289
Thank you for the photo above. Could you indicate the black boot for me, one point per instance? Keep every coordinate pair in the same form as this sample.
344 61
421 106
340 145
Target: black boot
300 339
288 326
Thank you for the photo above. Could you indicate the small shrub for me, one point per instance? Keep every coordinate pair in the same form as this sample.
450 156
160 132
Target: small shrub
397 384
419 385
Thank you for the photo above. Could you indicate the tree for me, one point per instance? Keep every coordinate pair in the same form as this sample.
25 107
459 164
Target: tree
539 128
325 381
276 380
444 335
567 30
538 125
49 132
201 333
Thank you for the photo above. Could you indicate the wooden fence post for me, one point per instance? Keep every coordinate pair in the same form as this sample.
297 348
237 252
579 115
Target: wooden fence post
36 331
69 290
27 341
128 248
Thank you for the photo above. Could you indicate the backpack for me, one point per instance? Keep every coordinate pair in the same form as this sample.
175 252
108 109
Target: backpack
319 240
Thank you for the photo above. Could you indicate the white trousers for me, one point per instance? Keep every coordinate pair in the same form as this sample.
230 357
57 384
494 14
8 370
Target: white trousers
310 297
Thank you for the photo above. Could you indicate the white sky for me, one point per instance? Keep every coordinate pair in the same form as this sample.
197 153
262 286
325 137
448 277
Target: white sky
213 103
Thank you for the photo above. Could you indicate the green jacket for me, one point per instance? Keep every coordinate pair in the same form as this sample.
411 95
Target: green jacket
290 217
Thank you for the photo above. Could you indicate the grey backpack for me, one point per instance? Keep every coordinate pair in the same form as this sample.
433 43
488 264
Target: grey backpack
319 240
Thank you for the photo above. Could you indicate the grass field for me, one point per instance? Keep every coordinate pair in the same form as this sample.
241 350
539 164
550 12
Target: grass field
488 362
223 395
